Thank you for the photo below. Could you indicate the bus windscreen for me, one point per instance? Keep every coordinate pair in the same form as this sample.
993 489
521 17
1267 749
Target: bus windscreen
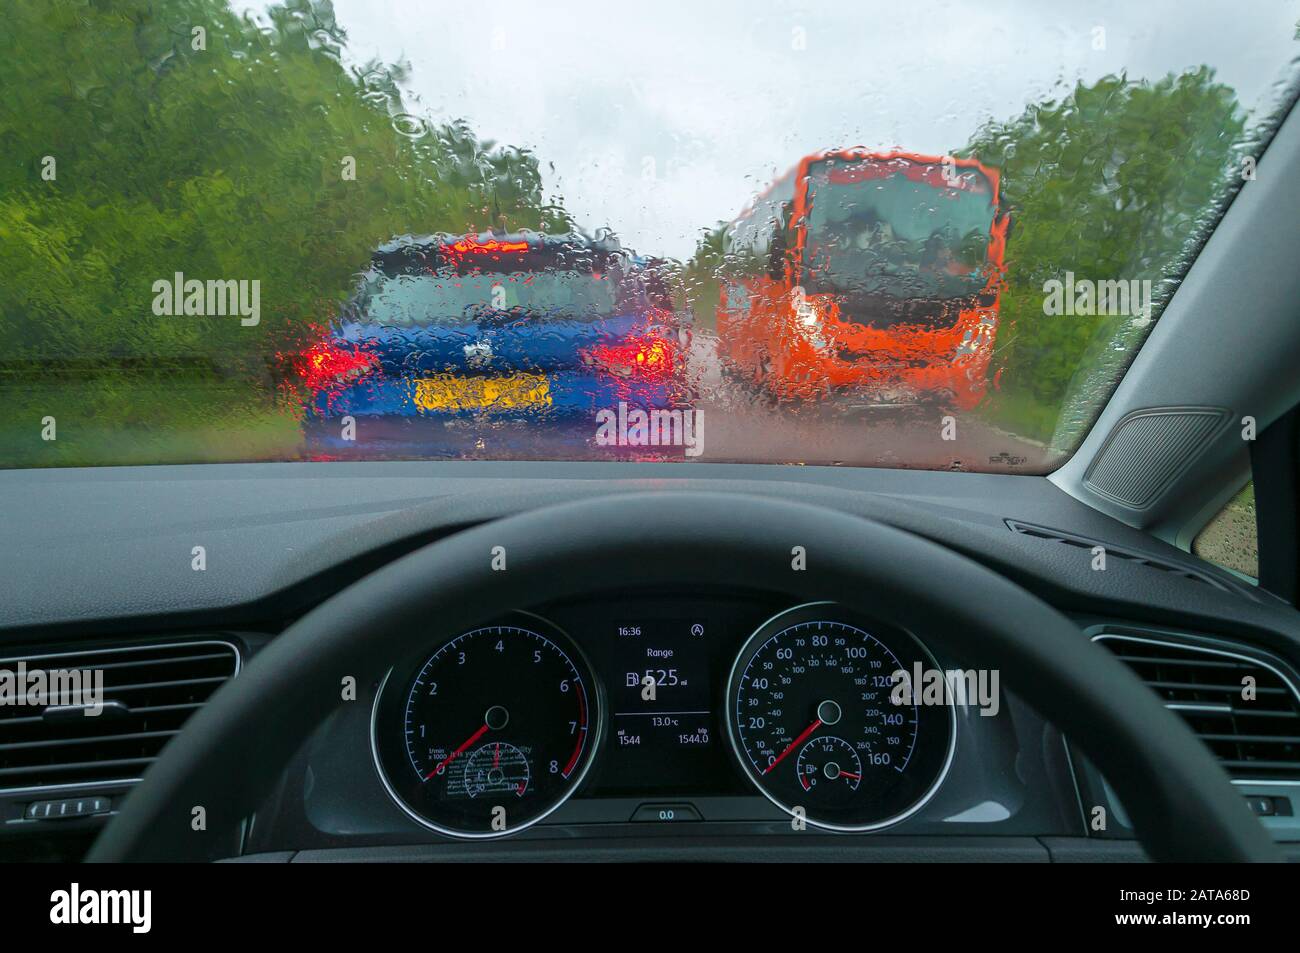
876 230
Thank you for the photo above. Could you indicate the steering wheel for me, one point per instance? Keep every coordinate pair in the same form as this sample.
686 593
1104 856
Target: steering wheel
194 800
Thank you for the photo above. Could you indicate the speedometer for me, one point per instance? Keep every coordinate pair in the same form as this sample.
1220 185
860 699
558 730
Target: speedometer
491 732
817 725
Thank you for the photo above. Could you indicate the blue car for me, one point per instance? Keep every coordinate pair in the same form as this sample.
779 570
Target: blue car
492 327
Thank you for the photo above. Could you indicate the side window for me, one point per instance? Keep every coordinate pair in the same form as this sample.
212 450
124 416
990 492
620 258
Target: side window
1229 540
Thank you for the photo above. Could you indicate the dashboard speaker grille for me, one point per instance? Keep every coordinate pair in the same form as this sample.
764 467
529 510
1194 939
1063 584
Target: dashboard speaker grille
1147 451
148 693
1256 739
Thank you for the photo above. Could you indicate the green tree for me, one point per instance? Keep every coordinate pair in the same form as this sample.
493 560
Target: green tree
1117 180
698 285
219 154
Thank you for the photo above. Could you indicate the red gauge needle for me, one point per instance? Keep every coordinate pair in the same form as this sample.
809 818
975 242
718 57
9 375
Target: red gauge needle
849 774
496 755
803 735
452 757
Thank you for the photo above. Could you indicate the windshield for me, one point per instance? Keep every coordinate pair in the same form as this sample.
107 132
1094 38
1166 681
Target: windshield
456 300
897 227
845 233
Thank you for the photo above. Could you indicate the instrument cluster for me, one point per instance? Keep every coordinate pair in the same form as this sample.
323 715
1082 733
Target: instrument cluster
489 731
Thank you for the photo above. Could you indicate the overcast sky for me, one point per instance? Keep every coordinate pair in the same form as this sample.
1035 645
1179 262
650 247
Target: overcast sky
658 119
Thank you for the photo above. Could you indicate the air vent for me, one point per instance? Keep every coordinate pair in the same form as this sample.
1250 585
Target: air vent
1255 739
148 694
1113 552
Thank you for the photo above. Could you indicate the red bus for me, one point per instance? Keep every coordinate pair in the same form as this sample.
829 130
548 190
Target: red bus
867 279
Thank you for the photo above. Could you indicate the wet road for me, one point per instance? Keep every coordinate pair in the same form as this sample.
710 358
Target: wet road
729 425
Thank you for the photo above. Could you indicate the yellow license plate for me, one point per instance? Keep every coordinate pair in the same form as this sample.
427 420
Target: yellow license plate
448 392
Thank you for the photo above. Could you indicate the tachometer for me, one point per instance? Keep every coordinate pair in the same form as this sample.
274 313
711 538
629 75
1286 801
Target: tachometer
814 721
492 732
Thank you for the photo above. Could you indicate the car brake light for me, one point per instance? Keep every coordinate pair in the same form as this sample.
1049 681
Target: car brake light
647 356
330 365
470 245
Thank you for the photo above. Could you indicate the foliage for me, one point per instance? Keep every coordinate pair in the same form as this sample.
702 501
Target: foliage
1119 180
227 162
223 162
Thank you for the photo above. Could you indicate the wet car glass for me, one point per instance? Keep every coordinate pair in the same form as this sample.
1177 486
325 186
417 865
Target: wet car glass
747 232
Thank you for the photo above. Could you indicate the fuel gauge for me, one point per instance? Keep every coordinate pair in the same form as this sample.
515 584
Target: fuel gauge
828 764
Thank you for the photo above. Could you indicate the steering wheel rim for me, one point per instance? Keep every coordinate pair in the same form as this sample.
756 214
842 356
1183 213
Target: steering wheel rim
230 754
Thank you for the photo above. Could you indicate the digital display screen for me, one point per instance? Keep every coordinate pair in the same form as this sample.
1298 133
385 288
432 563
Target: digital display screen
662 668
661 701
662 684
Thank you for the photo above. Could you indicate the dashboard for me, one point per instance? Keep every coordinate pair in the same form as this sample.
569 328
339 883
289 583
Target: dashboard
671 714
615 725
